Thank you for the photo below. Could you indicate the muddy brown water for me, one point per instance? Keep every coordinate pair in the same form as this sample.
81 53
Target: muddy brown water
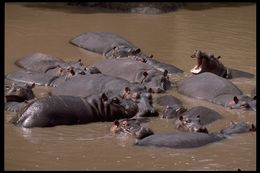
229 31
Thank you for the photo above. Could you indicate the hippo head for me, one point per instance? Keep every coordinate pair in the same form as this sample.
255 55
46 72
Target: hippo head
173 111
143 100
119 51
19 93
208 63
125 106
242 102
156 83
129 127
241 127
190 124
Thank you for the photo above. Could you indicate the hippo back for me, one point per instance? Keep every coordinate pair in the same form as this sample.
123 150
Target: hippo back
178 139
99 42
207 86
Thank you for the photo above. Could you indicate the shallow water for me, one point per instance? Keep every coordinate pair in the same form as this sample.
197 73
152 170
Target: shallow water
226 30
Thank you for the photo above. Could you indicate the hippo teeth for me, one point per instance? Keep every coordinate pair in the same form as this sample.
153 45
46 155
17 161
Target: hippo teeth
196 69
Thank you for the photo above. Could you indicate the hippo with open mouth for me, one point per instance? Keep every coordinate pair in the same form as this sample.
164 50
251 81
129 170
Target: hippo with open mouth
208 62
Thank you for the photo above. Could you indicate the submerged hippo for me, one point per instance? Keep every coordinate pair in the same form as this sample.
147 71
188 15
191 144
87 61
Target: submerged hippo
68 110
207 62
173 109
193 139
17 95
173 106
130 127
135 72
112 45
43 69
85 85
208 86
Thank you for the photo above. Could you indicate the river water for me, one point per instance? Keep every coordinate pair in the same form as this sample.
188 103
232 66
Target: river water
225 30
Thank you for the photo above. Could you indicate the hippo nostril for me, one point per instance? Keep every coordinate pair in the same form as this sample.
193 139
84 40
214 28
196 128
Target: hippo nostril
150 90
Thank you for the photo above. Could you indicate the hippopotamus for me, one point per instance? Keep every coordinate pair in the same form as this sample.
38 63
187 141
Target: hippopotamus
135 72
193 139
50 111
187 124
43 69
111 45
85 85
173 106
173 109
17 95
210 87
130 127
208 62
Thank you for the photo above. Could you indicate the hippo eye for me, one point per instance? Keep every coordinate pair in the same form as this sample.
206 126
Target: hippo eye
115 100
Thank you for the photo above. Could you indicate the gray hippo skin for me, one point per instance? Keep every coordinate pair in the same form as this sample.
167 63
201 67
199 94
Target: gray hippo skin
174 109
210 87
173 106
193 139
112 45
69 110
130 128
206 115
17 95
43 69
85 85
135 72
207 62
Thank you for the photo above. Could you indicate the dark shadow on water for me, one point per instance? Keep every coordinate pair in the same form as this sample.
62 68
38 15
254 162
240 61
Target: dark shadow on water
211 5
93 7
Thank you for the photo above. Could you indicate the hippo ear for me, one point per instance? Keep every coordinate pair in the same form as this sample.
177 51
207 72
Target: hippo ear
127 89
116 122
218 57
253 128
104 97
165 73
32 86
145 74
236 99
151 56
136 51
